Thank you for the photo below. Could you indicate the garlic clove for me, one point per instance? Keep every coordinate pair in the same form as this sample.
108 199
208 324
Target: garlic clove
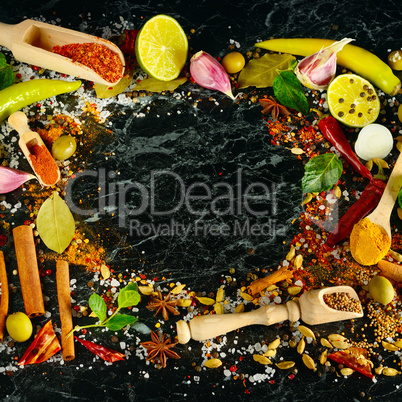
207 72
317 70
10 179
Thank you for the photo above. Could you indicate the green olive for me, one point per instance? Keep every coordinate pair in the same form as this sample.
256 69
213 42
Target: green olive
64 147
400 113
19 326
381 289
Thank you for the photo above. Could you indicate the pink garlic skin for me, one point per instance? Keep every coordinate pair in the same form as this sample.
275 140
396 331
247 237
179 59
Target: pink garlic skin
207 72
10 179
319 69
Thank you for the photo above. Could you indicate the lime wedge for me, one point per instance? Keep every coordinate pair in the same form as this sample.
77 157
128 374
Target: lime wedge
161 48
353 100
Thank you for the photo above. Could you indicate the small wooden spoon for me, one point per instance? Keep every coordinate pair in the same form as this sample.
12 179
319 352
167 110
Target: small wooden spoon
382 213
311 308
32 41
28 139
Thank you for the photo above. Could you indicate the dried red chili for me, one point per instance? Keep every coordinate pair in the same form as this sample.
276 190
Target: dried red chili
354 358
333 132
368 200
97 57
128 38
103 352
44 346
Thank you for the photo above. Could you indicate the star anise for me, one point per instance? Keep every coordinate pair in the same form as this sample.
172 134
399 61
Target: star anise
270 105
160 348
166 305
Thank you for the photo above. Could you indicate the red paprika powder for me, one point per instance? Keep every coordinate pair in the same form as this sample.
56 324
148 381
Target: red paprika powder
43 164
99 58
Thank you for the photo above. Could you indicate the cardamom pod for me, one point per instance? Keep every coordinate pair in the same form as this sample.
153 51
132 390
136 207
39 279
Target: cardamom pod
285 365
307 332
390 372
301 346
346 371
213 363
261 359
308 361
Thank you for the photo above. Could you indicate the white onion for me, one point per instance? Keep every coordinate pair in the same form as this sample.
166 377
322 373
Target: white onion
374 141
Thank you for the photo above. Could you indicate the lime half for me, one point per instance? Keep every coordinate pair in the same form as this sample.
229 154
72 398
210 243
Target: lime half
161 48
353 100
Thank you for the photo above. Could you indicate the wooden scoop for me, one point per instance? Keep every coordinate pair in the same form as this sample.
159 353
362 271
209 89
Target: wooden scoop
311 308
32 41
28 139
381 215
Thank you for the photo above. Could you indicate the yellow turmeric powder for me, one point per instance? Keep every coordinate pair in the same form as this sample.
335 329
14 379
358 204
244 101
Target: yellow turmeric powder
368 243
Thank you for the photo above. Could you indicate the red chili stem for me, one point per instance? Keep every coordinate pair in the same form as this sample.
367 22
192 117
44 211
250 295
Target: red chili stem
368 200
333 132
103 352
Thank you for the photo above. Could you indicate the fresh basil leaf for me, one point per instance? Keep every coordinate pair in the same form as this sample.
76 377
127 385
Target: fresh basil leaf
289 92
6 73
119 321
129 296
98 306
321 173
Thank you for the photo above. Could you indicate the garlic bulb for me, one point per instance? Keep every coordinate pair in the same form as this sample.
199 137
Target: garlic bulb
374 141
318 70
207 72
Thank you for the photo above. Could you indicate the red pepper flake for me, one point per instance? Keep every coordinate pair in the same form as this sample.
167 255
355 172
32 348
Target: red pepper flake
97 57
233 368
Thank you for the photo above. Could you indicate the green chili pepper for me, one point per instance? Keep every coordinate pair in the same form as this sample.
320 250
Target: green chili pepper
25 93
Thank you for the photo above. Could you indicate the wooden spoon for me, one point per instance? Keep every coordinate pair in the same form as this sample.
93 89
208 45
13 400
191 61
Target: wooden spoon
311 308
28 139
32 41
382 213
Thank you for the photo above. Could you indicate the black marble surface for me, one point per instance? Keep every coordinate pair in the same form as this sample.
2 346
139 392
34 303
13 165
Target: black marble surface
216 142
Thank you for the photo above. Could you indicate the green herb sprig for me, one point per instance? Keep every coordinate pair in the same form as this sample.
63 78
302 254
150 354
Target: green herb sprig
128 296
6 73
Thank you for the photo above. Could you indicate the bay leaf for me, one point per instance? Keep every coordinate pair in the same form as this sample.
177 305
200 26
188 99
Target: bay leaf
289 92
154 85
55 223
260 73
107 91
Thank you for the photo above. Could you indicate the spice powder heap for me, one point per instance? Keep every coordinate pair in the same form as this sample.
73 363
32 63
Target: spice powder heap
368 244
97 57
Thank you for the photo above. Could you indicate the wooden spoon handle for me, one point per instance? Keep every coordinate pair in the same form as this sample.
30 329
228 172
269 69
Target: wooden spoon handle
382 213
5 35
209 326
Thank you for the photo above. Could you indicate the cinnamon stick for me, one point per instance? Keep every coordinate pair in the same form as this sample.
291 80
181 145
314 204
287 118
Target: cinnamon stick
277 276
63 295
4 295
28 271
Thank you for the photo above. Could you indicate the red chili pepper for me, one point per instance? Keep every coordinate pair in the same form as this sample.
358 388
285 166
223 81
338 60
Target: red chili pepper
128 45
368 200
43 346
103 352
354 358
333 132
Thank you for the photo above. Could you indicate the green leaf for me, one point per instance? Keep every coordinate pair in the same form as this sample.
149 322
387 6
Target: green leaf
55 223
6 73
129 296
154 85
98 306
400 198
106 91
289 92
321 173
119 321
261 72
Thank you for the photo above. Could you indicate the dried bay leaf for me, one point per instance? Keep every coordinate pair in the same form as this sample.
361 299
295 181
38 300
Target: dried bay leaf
107 91
260 73
154 85
206 300
55 223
